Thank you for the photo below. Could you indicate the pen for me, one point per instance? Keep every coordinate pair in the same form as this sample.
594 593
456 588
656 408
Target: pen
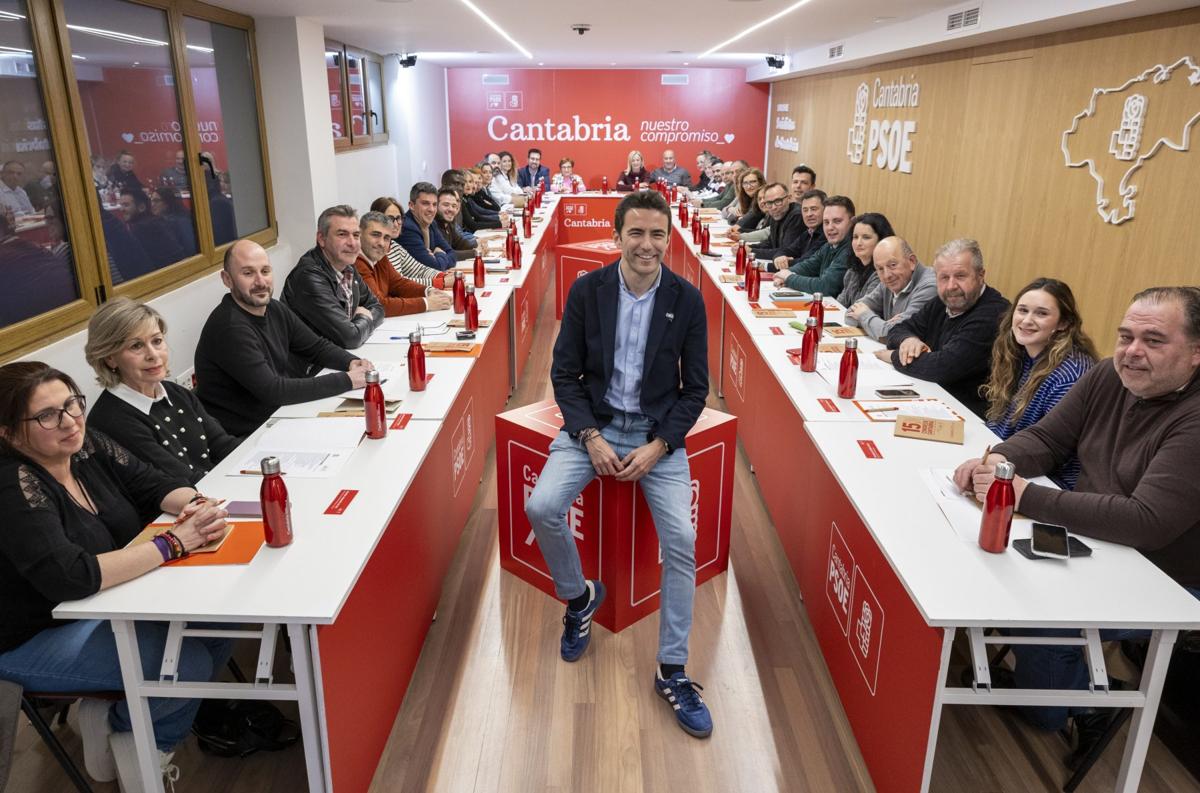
881 410
987 450
250 472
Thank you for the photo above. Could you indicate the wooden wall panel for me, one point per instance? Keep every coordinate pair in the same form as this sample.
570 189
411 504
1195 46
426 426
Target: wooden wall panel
988 161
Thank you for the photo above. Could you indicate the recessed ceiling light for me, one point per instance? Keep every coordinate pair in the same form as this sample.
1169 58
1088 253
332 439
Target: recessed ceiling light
754 27
879 20
685 63
541 63
614 63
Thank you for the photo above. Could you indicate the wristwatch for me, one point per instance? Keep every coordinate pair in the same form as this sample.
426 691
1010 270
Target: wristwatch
666 444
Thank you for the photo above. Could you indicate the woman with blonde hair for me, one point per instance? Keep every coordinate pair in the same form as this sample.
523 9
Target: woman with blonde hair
635 172
141 408
1039 354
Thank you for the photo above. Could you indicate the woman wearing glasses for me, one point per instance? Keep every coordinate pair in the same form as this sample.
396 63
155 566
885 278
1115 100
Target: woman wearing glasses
72 499
158 420
401 259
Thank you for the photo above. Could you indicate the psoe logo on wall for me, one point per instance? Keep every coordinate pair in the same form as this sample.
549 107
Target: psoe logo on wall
883 143
1116 134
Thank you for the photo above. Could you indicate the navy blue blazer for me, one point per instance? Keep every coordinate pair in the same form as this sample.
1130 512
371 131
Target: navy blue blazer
675 369
524 179
413 241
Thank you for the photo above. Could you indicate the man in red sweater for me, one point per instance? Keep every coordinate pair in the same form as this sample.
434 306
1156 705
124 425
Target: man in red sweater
399 295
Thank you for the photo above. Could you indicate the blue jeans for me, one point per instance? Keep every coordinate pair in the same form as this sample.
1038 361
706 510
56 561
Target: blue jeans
1060 667
668 491
82 656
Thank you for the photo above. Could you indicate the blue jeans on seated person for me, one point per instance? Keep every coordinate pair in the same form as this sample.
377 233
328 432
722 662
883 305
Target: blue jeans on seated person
82 656
668 491
1059 667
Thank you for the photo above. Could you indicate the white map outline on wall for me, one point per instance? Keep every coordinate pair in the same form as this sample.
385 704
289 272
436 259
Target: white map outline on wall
1127 191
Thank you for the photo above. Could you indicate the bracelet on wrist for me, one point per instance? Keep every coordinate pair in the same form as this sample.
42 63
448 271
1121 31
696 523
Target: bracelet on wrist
164 546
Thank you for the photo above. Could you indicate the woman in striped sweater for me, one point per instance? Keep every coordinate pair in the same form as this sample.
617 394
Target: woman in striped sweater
1037 362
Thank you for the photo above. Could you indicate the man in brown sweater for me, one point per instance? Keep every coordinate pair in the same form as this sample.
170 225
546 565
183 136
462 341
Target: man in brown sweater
399 295
1134 423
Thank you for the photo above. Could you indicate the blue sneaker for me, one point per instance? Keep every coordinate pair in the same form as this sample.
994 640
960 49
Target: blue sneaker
577 625
690 710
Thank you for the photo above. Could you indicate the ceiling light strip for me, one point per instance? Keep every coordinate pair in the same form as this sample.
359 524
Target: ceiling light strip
497 28
752 28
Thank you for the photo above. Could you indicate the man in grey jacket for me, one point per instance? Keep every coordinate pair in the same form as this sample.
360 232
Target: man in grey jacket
905 285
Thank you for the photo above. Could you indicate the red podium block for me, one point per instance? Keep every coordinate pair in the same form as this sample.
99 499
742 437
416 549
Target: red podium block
611 520
577 258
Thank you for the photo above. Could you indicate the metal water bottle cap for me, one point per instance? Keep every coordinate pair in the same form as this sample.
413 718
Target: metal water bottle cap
373 376
811 322
270 466
817 297
470 289
414 337
1005 470
458 275
851 344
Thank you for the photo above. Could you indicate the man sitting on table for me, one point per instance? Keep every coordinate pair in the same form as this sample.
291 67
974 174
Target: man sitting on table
791 234
397 294
254 353
326 291
670 172
463 244
1134 423
630 375
949 341
905 286
823 270
419 234
804 179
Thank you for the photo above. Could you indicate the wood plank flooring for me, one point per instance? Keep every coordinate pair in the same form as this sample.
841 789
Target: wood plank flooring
491 708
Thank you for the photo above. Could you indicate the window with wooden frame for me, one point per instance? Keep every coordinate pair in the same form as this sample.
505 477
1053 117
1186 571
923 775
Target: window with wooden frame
356 103
118 176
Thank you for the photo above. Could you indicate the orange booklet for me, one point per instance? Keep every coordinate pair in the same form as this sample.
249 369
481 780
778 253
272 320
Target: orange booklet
241 542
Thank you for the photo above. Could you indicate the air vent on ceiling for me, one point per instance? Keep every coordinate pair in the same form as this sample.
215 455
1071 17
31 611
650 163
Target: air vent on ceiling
674 79
495 79
835 52
963 19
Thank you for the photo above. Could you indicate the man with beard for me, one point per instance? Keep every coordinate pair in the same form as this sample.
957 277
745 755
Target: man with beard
254 351
949 341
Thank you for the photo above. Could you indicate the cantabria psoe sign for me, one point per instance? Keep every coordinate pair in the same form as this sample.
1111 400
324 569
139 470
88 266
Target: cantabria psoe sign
883 142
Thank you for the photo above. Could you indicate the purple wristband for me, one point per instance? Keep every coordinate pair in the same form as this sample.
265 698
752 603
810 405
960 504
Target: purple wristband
164 547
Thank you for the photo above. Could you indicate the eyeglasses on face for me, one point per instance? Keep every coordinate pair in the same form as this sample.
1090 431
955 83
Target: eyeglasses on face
773 202
52 418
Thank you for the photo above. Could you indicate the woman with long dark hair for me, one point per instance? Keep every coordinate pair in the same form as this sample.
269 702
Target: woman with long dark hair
1040 353
866 231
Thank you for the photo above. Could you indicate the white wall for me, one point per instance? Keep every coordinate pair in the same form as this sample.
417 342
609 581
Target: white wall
366 174
418 126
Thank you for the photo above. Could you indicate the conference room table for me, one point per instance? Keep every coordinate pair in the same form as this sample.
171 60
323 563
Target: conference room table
888 579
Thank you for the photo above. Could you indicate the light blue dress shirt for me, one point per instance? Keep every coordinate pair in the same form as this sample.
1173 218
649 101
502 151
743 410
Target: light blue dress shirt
629 348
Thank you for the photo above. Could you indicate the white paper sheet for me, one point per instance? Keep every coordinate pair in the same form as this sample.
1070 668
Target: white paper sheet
306 447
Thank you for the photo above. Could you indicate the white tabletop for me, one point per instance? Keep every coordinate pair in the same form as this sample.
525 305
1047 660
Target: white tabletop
955 583
449 375
307 581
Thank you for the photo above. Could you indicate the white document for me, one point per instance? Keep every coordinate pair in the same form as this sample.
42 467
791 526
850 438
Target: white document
393 377
962 512
306 447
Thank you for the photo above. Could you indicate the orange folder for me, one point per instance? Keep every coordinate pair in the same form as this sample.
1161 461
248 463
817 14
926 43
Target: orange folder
241 543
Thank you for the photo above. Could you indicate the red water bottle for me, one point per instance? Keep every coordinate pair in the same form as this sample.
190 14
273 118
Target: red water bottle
848 371
527 220
816 310
998 507
516 255
276 509
674 192
509 239
373 407
683 212
416 362
753 282
574 185
705 238
604 185
472 319
808 346
696 229
739 261
637 184
460 295
480 272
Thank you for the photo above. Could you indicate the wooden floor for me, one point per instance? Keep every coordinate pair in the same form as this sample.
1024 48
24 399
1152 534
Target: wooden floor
492 708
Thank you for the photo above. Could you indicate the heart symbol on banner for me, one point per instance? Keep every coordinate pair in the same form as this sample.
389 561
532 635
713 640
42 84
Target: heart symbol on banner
128 137
729 136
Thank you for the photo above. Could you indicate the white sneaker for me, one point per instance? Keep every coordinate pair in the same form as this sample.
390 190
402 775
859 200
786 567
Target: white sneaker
95 729
125 755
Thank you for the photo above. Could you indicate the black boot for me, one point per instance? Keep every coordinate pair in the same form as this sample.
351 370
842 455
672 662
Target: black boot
1089 728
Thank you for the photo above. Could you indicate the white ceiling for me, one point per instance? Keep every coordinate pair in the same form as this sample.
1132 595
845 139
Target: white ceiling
671 33
626 32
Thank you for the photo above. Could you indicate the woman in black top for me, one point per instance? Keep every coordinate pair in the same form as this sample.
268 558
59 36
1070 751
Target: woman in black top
866 231
159 421
72 499
635 171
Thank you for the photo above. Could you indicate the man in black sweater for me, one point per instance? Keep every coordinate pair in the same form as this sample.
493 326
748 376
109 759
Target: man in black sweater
790 235
254 351
949 341
325 289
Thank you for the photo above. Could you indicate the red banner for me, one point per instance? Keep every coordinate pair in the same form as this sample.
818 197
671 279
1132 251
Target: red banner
597 116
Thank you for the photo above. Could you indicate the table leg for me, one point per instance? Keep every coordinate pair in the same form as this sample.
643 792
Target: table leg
139 705
1141 726
306 685
935 718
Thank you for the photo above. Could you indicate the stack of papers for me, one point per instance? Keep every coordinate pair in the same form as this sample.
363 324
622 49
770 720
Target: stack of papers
306 448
